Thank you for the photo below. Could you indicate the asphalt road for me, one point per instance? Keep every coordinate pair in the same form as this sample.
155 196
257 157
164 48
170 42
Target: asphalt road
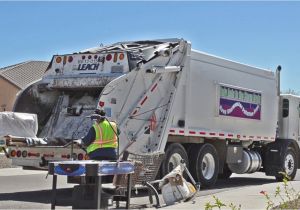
31 190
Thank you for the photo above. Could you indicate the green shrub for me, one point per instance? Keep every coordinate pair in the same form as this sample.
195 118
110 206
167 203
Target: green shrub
289 198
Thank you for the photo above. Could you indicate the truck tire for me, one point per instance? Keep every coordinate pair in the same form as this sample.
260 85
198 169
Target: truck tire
226 173
205 164
289 165
174 154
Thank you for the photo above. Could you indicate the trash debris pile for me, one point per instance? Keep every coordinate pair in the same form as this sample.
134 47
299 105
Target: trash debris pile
175 188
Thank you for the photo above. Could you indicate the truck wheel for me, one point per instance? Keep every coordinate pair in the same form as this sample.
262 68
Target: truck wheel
205 164
289 165
174 154
226 173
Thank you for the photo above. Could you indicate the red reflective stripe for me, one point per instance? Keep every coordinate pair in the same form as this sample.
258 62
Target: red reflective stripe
221 134
230 135
238 136
192 132
135 111
172 131
244 136
153 88
259 137
153 122
144 100
212 134
181 131
202 133
31 154
48 155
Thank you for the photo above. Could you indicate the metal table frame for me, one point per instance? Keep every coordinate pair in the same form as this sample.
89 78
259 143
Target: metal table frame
98 189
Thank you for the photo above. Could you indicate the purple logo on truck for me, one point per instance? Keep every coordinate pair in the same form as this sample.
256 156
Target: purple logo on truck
239 103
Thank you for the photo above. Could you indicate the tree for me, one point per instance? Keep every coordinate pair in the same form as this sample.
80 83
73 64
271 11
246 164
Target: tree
290 91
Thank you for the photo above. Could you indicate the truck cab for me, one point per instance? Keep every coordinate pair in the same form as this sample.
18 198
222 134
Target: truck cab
289 117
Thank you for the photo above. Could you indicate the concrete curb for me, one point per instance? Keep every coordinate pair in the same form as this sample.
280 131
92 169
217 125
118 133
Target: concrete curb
4 161
19 172
248 197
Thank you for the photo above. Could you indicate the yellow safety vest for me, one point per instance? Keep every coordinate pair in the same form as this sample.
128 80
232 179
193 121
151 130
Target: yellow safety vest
105 136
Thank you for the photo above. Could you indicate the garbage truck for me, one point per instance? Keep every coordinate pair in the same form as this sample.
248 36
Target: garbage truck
218 116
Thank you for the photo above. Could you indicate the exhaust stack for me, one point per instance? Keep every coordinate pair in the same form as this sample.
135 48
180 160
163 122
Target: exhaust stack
278 79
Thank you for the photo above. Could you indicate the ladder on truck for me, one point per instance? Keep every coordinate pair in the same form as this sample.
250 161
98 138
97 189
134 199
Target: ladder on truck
144 116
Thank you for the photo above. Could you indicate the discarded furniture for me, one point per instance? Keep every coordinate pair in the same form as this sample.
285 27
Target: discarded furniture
91 168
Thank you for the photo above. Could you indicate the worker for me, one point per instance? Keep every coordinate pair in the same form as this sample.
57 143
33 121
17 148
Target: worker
101 140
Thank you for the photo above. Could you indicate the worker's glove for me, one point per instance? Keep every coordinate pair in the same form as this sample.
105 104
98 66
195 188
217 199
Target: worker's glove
78 141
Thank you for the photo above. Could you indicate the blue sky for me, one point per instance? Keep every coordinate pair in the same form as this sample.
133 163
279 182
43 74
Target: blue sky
262 34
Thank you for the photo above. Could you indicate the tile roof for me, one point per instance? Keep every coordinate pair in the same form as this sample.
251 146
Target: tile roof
11 66
23 74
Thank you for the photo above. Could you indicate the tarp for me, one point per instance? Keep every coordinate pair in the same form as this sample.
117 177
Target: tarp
18 124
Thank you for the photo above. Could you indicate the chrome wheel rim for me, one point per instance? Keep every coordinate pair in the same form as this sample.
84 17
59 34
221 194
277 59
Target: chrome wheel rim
174 161
208 166
289 164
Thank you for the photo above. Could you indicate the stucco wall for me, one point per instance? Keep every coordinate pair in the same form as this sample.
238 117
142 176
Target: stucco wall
8 93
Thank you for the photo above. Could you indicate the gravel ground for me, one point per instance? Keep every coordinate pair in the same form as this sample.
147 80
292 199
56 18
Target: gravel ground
295 204
4 161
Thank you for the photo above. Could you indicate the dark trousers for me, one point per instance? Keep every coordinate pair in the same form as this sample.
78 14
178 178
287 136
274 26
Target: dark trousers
103 154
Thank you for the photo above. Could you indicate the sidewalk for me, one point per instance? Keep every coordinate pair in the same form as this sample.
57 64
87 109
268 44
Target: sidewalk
247 197
4 161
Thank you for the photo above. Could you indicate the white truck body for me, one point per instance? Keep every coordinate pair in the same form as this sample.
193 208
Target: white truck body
211 111
220 116
216 98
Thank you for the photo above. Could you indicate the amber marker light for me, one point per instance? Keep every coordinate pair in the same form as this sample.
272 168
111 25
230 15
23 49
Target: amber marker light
121 56
58 59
